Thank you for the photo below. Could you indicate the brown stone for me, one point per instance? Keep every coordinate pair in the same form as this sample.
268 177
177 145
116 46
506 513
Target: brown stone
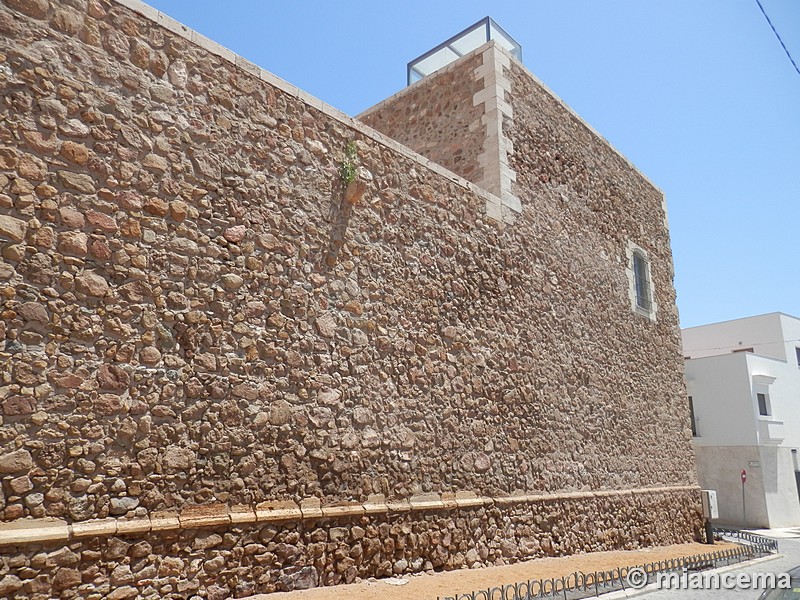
19 405
75 152
12 228
131 228
91 284
32 168
326 325
355 191
16 462
109 404
124 592
33 312
101 221
66 578
482 463
8 158
150 356
135 291
207 165
113 377
280 413
44 237
77 182
231 281
67 21
73 242
178 210
71 217
99 249
235 234
33 8
156 163
177 459
45 142
130 199
20 485
69 380
9 584
117 43
156 206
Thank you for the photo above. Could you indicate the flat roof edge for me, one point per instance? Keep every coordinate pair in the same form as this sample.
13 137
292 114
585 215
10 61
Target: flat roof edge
769 314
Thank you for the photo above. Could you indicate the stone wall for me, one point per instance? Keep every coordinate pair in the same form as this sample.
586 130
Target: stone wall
236 560
436 117
193 316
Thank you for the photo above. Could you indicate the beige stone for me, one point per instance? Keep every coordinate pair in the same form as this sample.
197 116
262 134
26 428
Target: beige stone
12 228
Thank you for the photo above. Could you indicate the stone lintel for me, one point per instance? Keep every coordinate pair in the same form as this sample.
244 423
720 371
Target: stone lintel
375 504
131 526
345 510
402 505
285 510
311 508
34 531
206 515
27 531
164 521
242 513
94 528
431 501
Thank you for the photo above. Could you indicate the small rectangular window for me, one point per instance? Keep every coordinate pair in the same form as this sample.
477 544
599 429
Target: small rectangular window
642 284
692 417
797 352
641 290
763 409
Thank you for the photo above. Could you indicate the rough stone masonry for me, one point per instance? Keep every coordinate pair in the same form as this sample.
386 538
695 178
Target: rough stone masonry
223 373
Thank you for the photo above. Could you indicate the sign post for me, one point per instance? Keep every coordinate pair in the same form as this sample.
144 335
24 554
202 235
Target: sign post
744 506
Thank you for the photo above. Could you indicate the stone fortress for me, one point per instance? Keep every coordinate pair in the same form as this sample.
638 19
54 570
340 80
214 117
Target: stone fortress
225 372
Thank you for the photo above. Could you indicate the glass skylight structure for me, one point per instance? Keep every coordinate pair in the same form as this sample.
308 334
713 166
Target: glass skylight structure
460 44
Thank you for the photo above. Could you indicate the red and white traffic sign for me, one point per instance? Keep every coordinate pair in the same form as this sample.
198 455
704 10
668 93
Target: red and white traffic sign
744 475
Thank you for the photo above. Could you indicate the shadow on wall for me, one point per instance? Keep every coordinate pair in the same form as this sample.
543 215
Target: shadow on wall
343 198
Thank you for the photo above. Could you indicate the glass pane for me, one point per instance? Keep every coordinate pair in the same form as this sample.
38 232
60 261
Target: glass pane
762 405
473 39
463 43
504 41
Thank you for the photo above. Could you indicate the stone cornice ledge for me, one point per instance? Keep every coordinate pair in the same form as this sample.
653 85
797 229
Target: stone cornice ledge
36 531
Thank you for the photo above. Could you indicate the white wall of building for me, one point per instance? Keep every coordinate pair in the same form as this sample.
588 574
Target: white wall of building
780 487
762 333
732 435
720 390
720 468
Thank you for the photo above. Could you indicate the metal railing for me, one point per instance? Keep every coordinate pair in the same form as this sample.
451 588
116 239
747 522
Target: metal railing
764 545
588 585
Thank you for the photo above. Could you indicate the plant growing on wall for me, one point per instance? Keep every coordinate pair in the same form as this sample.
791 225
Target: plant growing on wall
349 170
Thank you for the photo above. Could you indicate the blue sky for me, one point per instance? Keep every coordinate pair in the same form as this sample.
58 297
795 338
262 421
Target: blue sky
698 94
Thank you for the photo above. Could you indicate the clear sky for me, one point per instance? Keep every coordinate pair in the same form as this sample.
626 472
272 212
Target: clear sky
698 94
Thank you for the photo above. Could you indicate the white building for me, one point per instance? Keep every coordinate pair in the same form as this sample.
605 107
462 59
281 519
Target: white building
743 379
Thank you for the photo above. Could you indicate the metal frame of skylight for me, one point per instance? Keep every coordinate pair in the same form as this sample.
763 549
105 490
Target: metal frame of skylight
487 23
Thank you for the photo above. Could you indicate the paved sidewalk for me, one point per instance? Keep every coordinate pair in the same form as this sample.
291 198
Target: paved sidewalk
789 544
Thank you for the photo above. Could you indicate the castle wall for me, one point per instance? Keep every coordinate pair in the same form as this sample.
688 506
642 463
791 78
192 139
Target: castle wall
438 118
196 322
